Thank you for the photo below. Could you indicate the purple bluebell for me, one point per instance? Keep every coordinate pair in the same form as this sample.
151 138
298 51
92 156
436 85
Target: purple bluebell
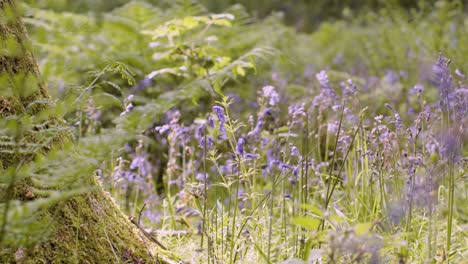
270 93
200 131
201 177
443 80
211 122
417 89
293 180
295 171
223 131
449 144
392 77
240 146
332 127
460 74
284 166
251 156
147 81
398 121
297 113
209 142
162 129
220 113
295 151
260 122
139 163
322 77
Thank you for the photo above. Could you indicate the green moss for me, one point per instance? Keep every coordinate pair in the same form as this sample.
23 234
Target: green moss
87 228
91 229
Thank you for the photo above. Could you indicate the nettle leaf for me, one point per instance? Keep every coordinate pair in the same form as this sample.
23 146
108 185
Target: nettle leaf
308 223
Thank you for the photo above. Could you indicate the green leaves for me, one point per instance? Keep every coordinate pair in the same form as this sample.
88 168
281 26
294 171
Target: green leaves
305 222
178 27
312 209
21 84
121 68
363 228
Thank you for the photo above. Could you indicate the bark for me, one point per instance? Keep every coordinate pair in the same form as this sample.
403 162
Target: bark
87 228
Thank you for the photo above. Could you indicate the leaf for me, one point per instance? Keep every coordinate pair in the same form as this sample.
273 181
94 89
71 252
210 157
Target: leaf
308 223
222 22
240 70
362 228
259 249
106 100
312 209
190 22
125 72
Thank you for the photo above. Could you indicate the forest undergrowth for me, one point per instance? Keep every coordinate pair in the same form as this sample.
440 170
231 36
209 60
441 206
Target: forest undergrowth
235 139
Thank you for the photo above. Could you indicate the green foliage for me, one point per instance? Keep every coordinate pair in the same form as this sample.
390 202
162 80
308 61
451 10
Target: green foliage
117 72
196 69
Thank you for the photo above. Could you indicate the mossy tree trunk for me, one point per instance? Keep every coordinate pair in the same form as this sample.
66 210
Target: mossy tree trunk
86 228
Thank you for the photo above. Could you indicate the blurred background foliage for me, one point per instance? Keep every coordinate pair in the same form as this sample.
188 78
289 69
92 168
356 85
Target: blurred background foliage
305 15
397 40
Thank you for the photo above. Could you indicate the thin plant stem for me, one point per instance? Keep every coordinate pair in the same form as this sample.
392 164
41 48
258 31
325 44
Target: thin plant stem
233 227
270 216
329 183
450 212
205 196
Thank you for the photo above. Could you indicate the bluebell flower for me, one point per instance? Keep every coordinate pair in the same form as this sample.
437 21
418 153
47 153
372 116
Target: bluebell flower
211 122
297 113
270 93
260 122
140 163
443 80
200 130
295 151
201 177
283 165
417 89
223 131
209 143
459 73
220 113
449 144
251 156
240 146
392 77
322 77
162 129
142 84
295 171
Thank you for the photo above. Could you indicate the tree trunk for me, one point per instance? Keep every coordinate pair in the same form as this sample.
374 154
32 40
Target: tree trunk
85 228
